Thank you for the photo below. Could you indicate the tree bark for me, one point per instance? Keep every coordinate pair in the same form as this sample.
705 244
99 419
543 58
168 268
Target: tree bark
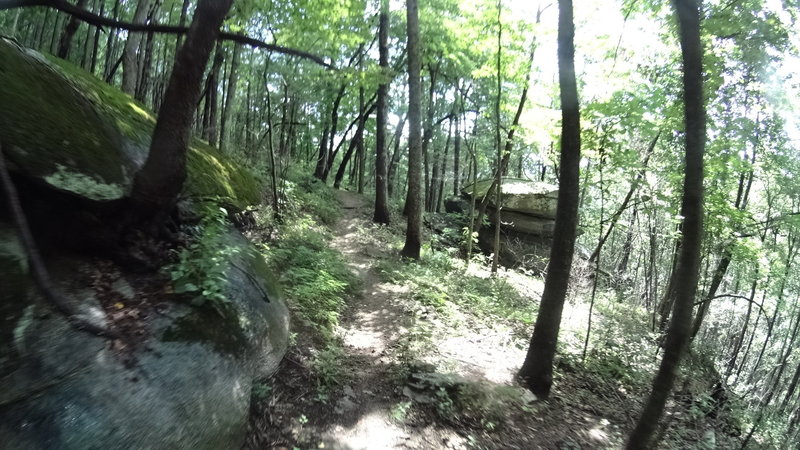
212 103
413 244
687 270
381 188
353 145
130 64
157 185
398 133
229 99
537 370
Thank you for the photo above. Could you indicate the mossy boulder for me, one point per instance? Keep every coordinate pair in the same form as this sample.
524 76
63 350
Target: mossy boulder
182 378
63 126
181 375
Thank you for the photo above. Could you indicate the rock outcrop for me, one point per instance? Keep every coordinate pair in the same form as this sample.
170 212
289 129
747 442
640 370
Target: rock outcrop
527 220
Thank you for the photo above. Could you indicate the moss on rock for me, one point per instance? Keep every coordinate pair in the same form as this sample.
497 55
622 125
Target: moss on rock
78 134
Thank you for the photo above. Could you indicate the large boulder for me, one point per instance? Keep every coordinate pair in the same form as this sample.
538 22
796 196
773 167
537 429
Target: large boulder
180 375
72 132
180 378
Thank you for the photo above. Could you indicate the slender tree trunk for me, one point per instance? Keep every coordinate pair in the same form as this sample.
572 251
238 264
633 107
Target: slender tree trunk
413 243
360 146
627 247
157 185
634 186
111 46
457 156
398 133
146 65
210 122
230 98
96 42
381 188
437 204
182 22
334 122
322 159
692 211
353 145
498 180
537 370
740 340
130 53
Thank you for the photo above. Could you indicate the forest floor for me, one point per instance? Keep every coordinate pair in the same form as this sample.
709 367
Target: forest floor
409 376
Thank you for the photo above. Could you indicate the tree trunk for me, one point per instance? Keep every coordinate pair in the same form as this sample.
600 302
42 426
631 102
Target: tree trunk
692 211
334 122
353 145
537 370
230 98
157 185
498 179
360 146
143 83
130 53
381 188
96 42
69 31
457 157
413 243
398 133
181 22
322 159
111 47
210 119
634 185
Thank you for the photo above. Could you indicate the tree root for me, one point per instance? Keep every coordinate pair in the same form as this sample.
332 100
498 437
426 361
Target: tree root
36 266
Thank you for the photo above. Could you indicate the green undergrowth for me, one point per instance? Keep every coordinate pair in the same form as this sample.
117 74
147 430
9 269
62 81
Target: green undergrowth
314 277
487 298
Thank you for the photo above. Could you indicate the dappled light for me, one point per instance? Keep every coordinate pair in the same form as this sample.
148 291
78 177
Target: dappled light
384 224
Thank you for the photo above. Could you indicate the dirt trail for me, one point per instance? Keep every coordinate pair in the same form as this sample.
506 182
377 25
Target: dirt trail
370 329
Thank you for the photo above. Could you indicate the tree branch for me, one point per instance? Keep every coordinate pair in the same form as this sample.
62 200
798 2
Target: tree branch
99 21
740 297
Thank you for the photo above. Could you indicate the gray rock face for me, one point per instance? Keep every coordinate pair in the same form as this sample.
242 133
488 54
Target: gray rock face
527 197
184 383
527 221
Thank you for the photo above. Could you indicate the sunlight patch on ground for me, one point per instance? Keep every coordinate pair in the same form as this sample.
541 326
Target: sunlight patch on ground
487 355
372 431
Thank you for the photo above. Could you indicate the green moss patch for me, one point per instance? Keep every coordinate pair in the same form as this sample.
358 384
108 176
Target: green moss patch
77 133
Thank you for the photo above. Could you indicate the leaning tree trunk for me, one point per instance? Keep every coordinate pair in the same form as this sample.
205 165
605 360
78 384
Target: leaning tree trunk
413 242
69 31
537 370
157 185
686 272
